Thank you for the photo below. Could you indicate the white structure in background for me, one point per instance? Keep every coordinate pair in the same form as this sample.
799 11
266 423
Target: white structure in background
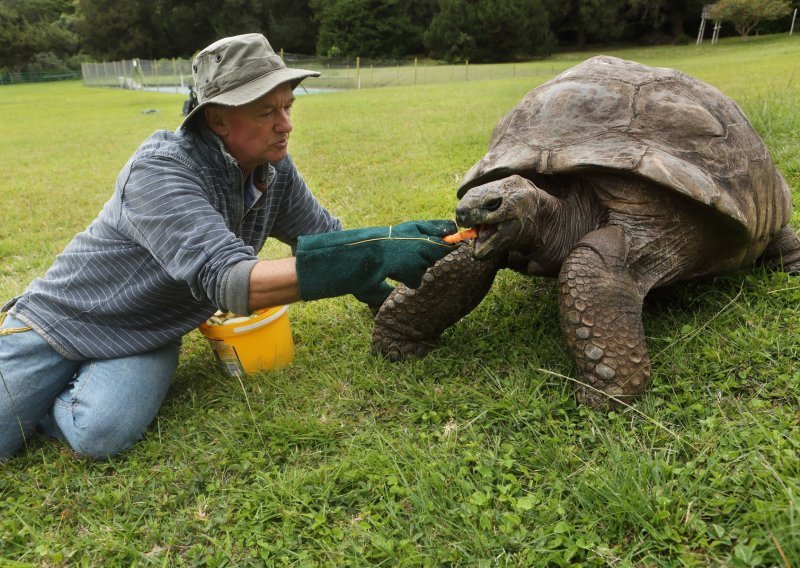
718 25
702 30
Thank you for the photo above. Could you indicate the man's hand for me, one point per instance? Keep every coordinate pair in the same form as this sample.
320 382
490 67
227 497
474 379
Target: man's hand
359 260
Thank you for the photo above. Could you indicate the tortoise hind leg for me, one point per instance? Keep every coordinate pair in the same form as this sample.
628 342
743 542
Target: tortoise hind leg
600 308
783 251
412 319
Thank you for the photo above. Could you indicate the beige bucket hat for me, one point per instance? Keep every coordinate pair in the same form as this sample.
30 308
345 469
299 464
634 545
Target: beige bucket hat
237 70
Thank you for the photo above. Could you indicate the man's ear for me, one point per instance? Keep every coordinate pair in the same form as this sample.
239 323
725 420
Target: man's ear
216 119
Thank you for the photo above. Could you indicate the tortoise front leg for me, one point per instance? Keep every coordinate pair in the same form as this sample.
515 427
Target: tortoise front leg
412 319
600 309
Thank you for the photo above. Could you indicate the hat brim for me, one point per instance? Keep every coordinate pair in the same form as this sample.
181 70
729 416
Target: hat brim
254 89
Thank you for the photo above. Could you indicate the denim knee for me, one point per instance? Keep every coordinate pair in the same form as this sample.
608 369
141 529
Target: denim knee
111 403
102 441
99 434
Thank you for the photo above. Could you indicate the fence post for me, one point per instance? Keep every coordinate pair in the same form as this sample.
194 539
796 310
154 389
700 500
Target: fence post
794 17
137 70
175 75
358 72
466 69
701 31
415 70
715 36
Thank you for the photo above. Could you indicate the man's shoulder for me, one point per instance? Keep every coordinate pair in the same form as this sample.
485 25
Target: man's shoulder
184 147
164 143
284 172
181 153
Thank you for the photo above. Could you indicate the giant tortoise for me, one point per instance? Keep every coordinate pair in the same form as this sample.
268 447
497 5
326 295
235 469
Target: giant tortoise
617 178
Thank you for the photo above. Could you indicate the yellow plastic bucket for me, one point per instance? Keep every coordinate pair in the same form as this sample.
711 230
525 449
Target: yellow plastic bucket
263 341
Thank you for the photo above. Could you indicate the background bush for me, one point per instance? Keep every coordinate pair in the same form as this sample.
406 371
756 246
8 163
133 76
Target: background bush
453 30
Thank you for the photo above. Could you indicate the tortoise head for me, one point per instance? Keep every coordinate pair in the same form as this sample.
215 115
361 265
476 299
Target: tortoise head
503 212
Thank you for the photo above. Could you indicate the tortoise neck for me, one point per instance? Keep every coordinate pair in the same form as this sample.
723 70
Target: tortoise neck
564 220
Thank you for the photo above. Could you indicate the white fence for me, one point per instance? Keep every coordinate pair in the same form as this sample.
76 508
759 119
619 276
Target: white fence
163 74
176 74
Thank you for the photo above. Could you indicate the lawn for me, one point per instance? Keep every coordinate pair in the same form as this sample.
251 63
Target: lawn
477 455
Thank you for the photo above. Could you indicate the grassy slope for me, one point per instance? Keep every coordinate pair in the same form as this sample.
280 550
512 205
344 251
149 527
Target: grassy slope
477 455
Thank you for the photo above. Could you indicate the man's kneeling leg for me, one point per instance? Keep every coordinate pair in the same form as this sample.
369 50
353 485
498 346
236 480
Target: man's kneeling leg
111 402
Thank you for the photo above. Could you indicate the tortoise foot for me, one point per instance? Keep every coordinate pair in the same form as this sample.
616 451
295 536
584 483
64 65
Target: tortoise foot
609 398
396 348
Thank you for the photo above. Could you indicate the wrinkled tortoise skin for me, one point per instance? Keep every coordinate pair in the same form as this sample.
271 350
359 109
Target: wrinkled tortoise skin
614 178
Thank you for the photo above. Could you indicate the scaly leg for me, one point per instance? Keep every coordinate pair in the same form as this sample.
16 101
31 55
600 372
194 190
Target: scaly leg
783 251
600 308
411 319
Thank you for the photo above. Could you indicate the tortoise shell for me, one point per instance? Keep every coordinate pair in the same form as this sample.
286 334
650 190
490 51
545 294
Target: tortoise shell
661 124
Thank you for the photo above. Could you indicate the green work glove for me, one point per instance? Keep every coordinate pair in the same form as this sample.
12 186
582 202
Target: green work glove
358 261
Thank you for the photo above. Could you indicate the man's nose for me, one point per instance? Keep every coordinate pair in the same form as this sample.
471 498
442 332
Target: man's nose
284 122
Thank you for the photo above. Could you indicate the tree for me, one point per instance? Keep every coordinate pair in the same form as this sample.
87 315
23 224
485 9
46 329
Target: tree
669 13
189 27
369 28
492 30
591 20
179 28
291 26
746 14
37 35
120 30
165 28
233 17
420 13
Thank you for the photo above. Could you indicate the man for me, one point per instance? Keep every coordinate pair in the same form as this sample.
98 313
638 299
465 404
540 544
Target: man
88 352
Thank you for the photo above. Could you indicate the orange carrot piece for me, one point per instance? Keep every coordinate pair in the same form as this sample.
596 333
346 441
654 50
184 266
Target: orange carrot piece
461 236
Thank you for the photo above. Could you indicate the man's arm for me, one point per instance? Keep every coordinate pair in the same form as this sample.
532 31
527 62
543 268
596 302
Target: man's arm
350 262
273 283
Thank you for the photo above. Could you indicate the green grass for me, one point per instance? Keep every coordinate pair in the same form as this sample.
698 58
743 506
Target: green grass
477 455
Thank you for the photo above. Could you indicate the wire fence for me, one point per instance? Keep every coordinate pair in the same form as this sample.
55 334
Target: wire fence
175 75
38 77
163 74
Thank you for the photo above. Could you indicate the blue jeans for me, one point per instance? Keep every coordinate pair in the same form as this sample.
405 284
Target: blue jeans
100 407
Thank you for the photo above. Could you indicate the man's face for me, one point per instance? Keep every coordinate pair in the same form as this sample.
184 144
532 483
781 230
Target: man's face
257 132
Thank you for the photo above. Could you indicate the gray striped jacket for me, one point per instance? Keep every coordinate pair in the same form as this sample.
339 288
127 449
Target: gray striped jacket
173 244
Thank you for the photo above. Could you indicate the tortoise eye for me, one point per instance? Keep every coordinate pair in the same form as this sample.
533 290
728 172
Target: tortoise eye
493 204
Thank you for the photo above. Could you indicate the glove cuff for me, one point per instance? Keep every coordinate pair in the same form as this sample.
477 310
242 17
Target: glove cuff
313 281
